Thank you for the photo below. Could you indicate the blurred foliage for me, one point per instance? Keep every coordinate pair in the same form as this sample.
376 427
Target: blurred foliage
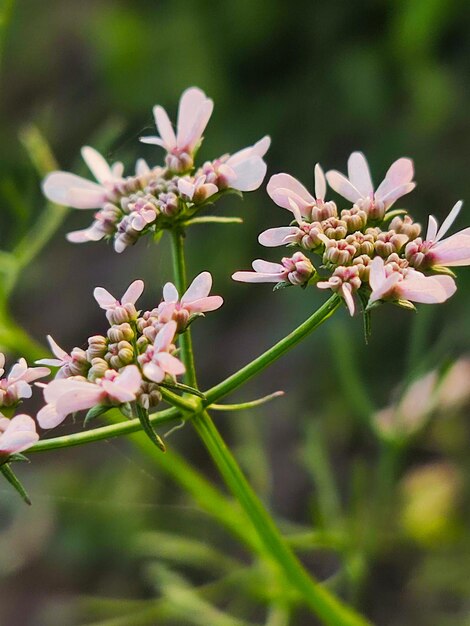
109 540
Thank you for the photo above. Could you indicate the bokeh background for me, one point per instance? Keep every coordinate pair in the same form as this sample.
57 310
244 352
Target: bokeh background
387 77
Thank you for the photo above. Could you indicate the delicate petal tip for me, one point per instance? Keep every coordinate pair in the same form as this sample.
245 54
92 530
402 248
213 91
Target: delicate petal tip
133 292
104 298
320 182
199 288
97 164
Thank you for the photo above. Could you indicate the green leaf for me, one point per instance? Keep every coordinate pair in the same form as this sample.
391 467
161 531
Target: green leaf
440 269
6 470
95 411
281 285
143 416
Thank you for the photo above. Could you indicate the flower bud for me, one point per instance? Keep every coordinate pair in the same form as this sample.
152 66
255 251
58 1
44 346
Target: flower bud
149 395
405 226
417 253
79 364
300 268
322 210
338 252
363 243
309 235
355 218
125 352
390 242
98 369
179 163
97 347
121 314
362 262
334 228
168 203
120 332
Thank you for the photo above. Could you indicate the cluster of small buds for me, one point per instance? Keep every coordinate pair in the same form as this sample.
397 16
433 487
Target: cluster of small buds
157 198
136 355
366 247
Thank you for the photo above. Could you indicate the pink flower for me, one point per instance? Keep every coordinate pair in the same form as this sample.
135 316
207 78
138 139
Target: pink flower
196 189
77 192
16 435
245 170
69 364
307 234
346 281
120 311
389 283
68 395
194 113
358 188
157 362
17 384
296 270
286 191
436 251
196 299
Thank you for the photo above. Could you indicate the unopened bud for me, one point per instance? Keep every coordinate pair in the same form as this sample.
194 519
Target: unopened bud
405 226
300 268
355 218
97 347
390 242
338 252
98 369
322 210
334 228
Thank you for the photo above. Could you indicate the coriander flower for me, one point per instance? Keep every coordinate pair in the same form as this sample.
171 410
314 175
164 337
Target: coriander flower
16 435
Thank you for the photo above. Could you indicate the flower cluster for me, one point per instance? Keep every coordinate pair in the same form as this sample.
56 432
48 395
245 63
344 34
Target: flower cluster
17 433
366 248
133 360
157 198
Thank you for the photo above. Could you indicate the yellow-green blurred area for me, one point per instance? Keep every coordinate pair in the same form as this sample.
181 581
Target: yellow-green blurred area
112 538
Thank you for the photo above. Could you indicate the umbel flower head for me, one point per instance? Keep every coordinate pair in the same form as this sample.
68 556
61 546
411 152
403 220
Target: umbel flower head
158 197
364 248
130 363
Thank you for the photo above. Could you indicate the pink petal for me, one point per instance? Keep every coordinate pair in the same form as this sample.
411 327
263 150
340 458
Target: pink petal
204 305
259 149
193 137
186 188
399 174
262 146
97 165
385 288
450 219
170 293
377 273
453 251
348 297
33 373
50 362
392 196
57 350
276 236
92 233
117 170
266 266
48 417
249 173
80 398
104 298
190 103
153 372
288 183
165 336
71 190
257 277
320 183
19 435
169 364
343 186
199 288
164 127
154 141
129 379
432 228
141 167
133 292
427 289
359 174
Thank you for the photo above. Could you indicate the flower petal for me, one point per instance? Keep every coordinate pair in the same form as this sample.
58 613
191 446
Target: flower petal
97 165
199 288
170 293
276 236
74 191
286 182
257 277
104 298
343 186
133 292
165 336
169 363
204 305
320 183
399 174
164 127
249 173
359 174
450 219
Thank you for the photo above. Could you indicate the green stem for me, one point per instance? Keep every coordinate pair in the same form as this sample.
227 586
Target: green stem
321 601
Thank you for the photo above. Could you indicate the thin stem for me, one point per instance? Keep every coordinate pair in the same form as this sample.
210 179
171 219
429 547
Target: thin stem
325 605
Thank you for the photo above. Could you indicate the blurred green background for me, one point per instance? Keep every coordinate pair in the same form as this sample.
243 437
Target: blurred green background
322 79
